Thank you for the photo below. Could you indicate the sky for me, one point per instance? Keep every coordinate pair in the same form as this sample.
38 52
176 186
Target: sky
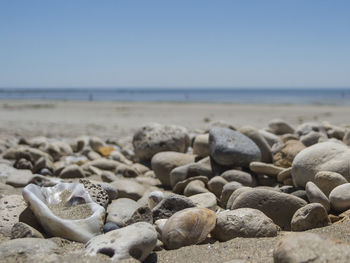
174 43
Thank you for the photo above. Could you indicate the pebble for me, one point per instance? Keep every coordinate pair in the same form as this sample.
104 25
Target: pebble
312 138
135 241
241 177
280 127
72 171
243 222
327 181
110 226
270 137
265 168
227 190
164 162
201 145
280 207
180 186
231 148
128 188
216 184
310 216
154 138
96 192
339 197
325 156
205 200
22 230
315 195
121 210
285 156
179 230
195 187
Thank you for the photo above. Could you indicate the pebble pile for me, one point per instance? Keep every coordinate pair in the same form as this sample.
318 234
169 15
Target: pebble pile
170 188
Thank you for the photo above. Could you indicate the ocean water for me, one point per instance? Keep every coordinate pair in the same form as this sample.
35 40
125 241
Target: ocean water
236 96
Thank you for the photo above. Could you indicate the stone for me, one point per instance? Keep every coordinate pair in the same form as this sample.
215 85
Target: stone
96 192
205 200
137 241
121 210
110 226
235 194
154 138
23 164
227 191
65 210
315 195
103 164
284 174
285 156
339 197
22 230
126 171
25 247
265 168
280 207
346 138
170 205
142 214
128 188
270 137
265 180
309 247
260 141
312 138
96 143
243 222
110 190
325 156
11 206
301 194
195 187
216 184
231 148
310 216
154 198
307 127
159 225
241 177
72 171
164 162
201 145
180 186
327 181
280 127
179 230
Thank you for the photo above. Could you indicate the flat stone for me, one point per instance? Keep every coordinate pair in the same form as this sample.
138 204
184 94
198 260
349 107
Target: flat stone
137 241
310 216
243 222
205 200
164 162
179 230
280 127
216 184
241 177
121 210
128 188
312 138
265 168
327 181
72 171
231 148
339 197
280 207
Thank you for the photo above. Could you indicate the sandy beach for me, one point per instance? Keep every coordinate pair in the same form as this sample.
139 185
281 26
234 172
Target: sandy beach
120 119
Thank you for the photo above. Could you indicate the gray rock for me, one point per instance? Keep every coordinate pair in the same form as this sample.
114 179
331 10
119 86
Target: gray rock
72 171
280 127
96 192
126 171
327 181
241 177
315 195
121 210
309 247
22 230
26 247
137 240
280 207
201 145
110 226
231 148
227 191
195 187
309 217
284 174
103 164
164 162
312 138
235 194
308 127
154 138
301 194
339 197
270 137
170 205
243 222
346 138
216 184
180 186
260 141
110 190
179 230
205 200
325 156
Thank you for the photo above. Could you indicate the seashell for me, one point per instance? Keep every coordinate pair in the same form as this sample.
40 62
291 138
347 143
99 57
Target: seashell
188 227
65 210
154 198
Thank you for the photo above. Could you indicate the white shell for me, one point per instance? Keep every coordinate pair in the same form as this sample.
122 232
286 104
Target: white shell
81 230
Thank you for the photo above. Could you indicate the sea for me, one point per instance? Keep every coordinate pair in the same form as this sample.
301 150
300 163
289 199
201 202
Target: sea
299 96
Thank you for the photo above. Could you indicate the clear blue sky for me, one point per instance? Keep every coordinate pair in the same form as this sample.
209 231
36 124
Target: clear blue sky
178 43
